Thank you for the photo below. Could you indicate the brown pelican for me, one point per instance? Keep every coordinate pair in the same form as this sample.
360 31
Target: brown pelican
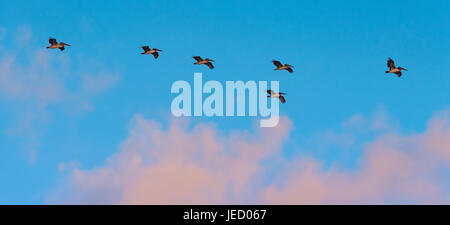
55 44
204 61
282 67
279 95
153 51
393 69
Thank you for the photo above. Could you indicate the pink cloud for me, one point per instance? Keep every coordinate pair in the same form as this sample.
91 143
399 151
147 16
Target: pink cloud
393 169
179 166
202 165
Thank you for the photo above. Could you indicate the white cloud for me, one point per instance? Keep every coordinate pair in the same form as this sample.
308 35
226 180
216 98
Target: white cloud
3 32
99 83
23 34
35 79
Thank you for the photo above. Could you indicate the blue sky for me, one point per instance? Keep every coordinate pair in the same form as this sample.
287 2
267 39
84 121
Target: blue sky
339 50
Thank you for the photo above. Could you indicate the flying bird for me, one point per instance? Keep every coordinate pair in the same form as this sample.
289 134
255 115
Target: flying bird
204 61
282 67
153 51
55 44
393 69
279 95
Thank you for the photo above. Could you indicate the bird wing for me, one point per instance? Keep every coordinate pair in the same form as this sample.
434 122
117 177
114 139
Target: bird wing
390 64
155 54
210 65
270 92
277 63
52 41
198 58
399 74
282 99
146 48
290 70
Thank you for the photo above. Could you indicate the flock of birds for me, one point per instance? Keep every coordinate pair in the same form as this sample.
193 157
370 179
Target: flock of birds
208 62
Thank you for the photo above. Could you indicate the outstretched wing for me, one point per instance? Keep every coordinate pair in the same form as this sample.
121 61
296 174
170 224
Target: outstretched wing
399 74
52 41
198 58
290 70
282 99
146 48
277 63
210 65
390 64
155 54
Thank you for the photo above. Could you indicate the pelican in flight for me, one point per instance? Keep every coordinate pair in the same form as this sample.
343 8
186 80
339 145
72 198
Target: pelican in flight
55 44
153 51
204 61
393 69
282 67
279 95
